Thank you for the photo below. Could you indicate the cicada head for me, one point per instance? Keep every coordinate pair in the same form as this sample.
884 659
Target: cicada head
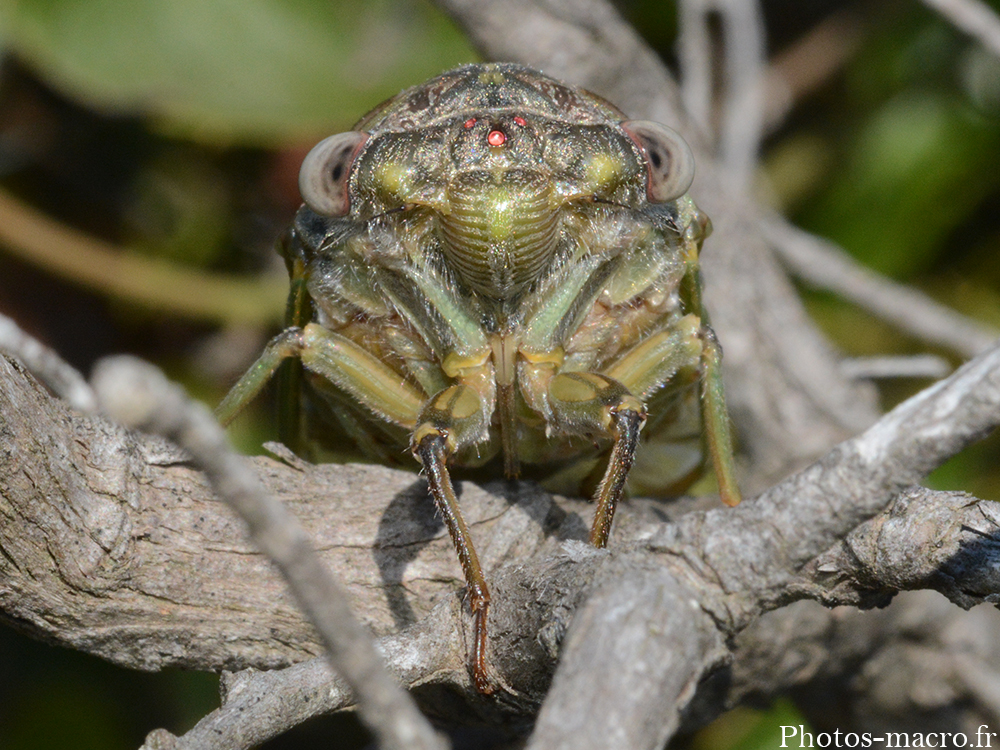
497 156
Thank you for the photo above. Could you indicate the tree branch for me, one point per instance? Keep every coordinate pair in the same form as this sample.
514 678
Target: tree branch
822 264
974 17
735 563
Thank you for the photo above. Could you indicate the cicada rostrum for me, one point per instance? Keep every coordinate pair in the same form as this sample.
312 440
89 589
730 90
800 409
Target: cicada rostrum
495 266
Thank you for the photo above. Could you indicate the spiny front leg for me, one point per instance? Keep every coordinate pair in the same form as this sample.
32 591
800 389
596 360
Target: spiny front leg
590 402
654 362
340 361
451 419
627 418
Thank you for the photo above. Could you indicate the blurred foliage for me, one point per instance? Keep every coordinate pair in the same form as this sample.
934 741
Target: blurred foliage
918 137
55 698
257 71
173 131
748 729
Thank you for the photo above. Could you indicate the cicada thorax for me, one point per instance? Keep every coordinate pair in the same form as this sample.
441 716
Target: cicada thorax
501 231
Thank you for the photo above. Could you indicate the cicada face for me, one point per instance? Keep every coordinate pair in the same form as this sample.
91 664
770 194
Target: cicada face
495 263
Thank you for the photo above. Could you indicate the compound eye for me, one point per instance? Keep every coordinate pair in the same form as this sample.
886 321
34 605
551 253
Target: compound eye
325 173
669 161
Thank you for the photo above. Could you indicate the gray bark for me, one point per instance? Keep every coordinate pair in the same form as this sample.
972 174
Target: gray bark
164 587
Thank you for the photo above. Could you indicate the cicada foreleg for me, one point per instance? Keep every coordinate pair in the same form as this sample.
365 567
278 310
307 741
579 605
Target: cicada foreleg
338 360
690 343
588 402
451 419
615 404
611 403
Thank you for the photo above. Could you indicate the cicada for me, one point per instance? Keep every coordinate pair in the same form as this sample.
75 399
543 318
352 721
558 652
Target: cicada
496 267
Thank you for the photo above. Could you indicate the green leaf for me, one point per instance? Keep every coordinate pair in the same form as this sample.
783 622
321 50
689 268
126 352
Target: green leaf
246 71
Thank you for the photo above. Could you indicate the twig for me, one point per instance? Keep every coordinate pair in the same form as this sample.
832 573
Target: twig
694 50
742 113
915 366
138 395
808 63
974 17
124 274
742 109
47 366
824 265
258 706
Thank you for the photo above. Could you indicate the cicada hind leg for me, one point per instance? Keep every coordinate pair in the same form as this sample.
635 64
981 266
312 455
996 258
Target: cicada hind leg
715 415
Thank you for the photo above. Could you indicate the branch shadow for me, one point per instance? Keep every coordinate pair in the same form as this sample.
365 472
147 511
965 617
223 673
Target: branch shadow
410 522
